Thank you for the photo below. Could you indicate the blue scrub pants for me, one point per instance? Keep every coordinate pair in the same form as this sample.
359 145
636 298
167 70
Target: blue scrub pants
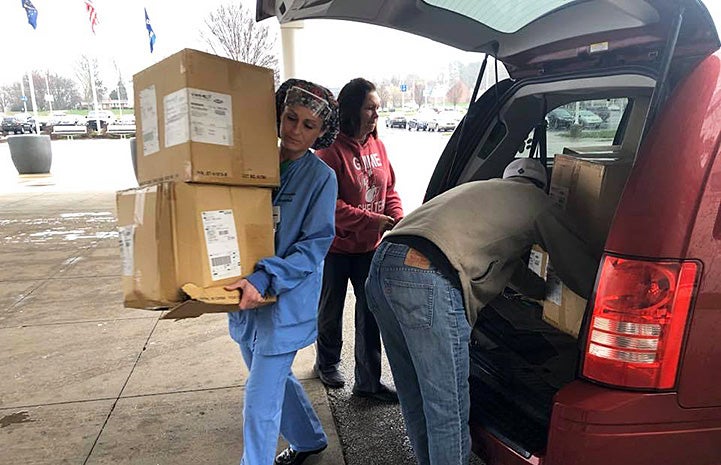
275 402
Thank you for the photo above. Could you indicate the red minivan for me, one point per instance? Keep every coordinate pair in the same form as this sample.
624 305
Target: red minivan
642 382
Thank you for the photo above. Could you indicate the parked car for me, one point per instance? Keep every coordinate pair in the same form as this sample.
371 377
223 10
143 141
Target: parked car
448 120
416 122
425 120
641 383
104 116
125 120
589 119
55 117
29 123
71 119
396 121
13 125
603 111
124 124
559 118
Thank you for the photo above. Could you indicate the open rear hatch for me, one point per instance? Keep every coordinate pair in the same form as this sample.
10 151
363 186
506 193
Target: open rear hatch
531 37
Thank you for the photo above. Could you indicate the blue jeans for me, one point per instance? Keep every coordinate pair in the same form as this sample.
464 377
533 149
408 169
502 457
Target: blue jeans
275 402
425 332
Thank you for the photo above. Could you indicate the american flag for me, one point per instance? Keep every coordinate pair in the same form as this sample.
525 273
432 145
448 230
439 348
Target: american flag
92 14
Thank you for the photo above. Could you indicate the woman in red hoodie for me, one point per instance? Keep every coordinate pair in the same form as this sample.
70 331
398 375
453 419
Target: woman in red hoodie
367 206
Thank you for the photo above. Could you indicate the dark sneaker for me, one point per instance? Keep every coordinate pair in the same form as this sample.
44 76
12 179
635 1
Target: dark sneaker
289 456
332 379
384 394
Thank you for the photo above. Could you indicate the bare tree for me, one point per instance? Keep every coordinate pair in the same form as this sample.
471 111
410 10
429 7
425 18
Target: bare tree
64 92
82 74
457 93
231 31
384 94
418 92
6 98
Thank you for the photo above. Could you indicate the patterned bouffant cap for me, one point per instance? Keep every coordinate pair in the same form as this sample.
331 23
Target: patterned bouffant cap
314 97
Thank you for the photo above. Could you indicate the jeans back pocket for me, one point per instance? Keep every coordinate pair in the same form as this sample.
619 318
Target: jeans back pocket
411 302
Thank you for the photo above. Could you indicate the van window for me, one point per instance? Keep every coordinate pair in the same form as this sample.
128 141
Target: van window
580 125
501 16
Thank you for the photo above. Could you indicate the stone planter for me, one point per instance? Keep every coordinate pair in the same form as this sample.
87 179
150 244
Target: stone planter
31 153
134 156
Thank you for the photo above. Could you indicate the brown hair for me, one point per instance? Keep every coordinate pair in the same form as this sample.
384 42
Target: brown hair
350 101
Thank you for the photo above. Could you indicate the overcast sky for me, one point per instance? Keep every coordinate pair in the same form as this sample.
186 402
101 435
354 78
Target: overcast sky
63 34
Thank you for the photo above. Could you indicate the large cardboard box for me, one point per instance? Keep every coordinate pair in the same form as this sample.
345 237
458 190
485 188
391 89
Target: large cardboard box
146 248
208 119
563 308
175 233
589 190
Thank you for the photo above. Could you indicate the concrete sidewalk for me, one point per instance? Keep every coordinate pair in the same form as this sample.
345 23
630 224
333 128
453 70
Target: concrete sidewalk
86 381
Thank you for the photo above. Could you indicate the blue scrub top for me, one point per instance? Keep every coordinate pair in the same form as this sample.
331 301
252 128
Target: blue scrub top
306 199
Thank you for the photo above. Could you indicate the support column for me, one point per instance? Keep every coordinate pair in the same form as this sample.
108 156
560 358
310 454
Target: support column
289 35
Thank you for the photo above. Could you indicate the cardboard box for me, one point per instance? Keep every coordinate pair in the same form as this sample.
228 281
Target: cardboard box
146 248
175 233
208 119
589 190
563 308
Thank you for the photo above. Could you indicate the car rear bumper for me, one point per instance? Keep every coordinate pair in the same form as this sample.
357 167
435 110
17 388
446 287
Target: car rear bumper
594 425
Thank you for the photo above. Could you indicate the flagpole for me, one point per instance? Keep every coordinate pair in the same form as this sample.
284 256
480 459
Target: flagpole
22 91
49 96
32 100
95 94
93 17
117 88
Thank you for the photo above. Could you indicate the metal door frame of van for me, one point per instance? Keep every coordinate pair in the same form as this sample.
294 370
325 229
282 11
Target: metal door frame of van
457 154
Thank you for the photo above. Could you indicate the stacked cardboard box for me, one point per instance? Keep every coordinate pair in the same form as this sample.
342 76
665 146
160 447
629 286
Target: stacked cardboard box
207 161
589 190
206 119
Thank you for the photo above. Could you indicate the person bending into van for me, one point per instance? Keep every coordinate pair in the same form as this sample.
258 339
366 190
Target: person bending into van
367 206
442 264
269 336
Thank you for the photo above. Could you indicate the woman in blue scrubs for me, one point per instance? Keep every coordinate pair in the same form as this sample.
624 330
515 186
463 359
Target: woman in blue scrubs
270 335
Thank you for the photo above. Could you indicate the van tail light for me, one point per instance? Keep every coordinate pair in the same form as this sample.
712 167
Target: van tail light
640 311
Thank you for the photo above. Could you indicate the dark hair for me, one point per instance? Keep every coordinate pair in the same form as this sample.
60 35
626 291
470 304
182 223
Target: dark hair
350 101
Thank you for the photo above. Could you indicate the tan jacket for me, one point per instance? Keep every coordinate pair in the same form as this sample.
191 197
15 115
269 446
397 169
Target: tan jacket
485 227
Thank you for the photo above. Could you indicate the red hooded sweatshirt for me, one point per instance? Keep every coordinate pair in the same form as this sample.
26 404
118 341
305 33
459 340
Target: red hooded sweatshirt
366 191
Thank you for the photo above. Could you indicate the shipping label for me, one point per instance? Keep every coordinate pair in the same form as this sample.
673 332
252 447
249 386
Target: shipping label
126 236
559 196
177 126
554 286
149 121
211 117
535 262
221 241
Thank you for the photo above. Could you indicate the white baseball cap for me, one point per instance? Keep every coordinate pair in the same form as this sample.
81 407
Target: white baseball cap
528 168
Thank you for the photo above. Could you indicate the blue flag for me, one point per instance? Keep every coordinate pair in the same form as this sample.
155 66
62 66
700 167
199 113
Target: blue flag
32 13
151 34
